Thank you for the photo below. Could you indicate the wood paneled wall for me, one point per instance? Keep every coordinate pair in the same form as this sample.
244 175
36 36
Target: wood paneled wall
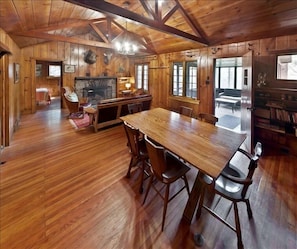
160 69
22 95
71 54
10 97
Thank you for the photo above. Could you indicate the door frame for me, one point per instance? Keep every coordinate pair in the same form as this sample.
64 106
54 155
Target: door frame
4 101
247 100
33 73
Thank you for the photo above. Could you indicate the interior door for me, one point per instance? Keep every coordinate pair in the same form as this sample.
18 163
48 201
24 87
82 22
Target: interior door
247 100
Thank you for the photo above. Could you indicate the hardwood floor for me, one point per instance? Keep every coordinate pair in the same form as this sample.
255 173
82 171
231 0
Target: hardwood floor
65 188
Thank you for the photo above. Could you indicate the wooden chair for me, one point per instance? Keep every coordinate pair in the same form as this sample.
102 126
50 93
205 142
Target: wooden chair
135 107
72 105
184 110
209 118
233 185
138 152
72 102
166 168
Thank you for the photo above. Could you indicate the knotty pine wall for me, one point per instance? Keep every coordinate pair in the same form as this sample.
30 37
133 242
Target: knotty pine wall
160 69
66 53
22 95
10 96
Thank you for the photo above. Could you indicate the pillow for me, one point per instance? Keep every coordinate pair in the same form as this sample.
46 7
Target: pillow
72 97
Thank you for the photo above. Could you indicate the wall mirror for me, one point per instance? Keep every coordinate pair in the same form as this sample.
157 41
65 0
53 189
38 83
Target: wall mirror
286 67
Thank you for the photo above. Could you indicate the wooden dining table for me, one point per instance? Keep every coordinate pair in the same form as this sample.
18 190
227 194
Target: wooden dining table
203 145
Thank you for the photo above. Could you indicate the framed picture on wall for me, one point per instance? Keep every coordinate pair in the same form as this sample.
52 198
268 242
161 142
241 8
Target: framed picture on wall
69 68
16 72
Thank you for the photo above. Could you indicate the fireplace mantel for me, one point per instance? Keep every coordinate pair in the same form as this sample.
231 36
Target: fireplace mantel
96 88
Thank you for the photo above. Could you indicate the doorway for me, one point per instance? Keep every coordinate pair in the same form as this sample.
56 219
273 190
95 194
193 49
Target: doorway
48 82
228 87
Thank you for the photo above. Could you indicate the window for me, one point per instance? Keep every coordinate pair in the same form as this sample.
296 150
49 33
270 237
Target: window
184 79
177 79
287 67
228 73
142 76
54 70
191 80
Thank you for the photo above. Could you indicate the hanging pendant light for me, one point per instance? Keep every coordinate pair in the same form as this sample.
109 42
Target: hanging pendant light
126 46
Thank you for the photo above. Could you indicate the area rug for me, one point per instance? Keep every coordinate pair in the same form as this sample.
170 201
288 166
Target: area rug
229 121
79 123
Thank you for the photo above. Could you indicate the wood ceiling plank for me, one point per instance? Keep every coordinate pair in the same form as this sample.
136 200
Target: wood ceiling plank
115 10
26 15
222 21
9 18
41 18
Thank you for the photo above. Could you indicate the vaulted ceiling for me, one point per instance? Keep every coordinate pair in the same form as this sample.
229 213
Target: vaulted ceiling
158 26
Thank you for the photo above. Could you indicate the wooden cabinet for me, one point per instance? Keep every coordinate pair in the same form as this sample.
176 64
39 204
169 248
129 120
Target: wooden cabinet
275 117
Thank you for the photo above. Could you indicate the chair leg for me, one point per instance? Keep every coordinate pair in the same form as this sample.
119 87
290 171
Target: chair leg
249 210
130 167
238 230
166 197
186 184
142 177
148 188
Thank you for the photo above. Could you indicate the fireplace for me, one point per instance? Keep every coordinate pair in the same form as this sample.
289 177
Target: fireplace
95 88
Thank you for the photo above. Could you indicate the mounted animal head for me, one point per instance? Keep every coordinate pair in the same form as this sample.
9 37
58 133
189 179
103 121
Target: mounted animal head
107 57
90 57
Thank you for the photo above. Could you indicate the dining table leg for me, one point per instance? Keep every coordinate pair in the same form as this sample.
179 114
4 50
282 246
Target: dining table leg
196 197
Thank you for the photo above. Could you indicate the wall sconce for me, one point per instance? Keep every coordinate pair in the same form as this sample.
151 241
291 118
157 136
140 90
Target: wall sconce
190 54
250 46
215 50
128 85
261 79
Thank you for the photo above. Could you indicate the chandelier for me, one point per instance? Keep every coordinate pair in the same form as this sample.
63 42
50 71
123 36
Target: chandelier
125 45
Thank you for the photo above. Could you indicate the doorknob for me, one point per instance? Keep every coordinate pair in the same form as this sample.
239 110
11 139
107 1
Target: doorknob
251 109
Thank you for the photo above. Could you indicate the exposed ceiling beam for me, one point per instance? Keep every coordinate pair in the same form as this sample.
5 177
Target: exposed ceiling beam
115 11
98 31
197 29
50 37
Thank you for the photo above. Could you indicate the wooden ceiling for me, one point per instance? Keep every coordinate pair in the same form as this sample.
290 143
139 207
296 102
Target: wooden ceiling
158 26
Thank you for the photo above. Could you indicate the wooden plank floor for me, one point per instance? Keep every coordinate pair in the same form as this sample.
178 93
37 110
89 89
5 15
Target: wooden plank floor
65 188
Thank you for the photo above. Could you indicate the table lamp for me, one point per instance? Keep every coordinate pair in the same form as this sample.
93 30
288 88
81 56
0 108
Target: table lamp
128 85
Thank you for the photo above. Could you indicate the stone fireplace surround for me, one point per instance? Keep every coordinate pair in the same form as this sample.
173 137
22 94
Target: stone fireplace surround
95 88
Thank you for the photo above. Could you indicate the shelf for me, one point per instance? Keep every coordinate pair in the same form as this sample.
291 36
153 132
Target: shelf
275 117
271 128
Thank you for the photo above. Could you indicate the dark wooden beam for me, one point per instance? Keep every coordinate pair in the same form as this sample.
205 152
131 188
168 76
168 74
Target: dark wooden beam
50 37
115 11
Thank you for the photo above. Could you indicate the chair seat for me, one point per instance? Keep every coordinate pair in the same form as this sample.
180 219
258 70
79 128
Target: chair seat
175 169
230 189
142 148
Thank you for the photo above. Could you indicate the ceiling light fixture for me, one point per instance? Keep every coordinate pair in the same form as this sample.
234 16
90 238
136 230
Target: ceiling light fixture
126 46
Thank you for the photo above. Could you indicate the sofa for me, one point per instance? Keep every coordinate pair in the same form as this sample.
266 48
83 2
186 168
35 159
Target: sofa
108 111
